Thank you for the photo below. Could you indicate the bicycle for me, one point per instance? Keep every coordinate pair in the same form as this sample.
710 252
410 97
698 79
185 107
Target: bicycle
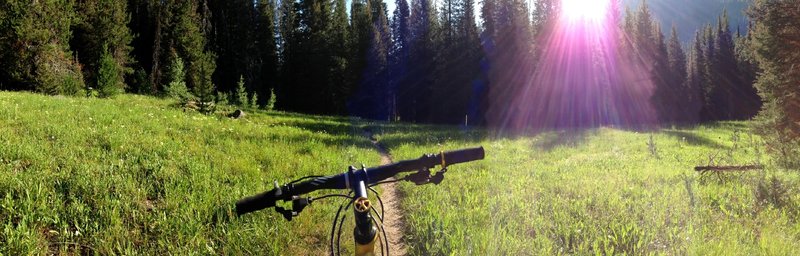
358 181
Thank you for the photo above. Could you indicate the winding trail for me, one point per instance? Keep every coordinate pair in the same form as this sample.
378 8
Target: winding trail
393 222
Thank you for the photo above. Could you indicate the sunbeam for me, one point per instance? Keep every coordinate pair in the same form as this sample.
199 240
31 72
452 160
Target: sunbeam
580 79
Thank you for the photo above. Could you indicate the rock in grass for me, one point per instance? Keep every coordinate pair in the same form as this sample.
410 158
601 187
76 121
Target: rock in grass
237 114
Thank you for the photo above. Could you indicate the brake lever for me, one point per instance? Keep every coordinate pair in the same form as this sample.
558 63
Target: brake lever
298 204
421 177
424 176
438 177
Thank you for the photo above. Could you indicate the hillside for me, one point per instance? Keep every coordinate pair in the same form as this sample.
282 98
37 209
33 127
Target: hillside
691 15
135 175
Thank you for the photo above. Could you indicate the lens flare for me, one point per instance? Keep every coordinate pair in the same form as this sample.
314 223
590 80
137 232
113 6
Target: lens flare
581 78
584 9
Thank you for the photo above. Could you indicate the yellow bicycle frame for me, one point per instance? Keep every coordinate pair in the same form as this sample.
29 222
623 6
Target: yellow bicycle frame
361 207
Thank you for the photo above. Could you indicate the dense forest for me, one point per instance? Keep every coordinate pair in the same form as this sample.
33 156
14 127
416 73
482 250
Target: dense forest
427 61
690 15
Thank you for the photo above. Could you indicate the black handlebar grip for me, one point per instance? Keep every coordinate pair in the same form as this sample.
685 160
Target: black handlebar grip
463 155
257 202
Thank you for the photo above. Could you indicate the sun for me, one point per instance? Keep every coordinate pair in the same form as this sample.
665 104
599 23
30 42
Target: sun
591 10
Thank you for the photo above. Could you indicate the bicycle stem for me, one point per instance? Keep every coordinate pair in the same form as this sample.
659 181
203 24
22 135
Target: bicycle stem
365 232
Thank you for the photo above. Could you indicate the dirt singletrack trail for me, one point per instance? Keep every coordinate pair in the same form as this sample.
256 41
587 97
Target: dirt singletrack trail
393 222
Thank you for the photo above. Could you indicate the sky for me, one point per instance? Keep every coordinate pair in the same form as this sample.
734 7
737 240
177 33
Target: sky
687 15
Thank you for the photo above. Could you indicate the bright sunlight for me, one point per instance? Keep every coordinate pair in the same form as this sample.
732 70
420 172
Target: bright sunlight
593 10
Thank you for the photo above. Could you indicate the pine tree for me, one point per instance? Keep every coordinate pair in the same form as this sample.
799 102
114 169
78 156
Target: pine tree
291 57
677 79
725 70
143 16
235 41
362 34
399 56
102 30
512 47
380 47
241 94
416 96
315 51
709 111
339 85
267 47
665 92
694 79
176 87
109 82
776 35
190 27
34 50
471 96
749 103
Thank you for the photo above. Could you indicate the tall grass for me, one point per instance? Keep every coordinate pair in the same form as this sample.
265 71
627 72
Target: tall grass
135 175
600 191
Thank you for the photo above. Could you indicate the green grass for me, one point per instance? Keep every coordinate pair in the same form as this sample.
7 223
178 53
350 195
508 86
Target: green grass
135 175
600 191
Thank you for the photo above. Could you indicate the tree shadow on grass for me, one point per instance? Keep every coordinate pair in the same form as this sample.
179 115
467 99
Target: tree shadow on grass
566 138
395 134
693 139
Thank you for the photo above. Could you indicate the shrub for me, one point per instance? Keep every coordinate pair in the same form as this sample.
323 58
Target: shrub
254 100
776 34
222 98
109 79
56 73
142 82
241 94
272 99
176 88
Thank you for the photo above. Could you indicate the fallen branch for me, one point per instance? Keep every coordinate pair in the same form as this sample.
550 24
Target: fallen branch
728 168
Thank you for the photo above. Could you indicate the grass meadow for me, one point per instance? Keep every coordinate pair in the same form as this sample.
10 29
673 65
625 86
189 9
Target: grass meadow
137 175
600 191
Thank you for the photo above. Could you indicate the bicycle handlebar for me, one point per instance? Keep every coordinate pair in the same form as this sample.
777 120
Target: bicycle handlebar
346 180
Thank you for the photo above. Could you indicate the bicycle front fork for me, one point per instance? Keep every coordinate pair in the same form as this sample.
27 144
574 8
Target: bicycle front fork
365 232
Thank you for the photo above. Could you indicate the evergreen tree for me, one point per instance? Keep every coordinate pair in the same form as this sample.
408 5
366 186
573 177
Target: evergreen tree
339 86
241 94
315 20
267 46
677 80
709 111
378 62
103 29
749 103
109 82
236 42
694 80
34 49
291 57
400 54
471 91
176 88
725 70
416 101
362 34
189 31
373 44
776 35
143 16
666 91
458 61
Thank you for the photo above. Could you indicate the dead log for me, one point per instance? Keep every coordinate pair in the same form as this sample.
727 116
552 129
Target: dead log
728 168
718 170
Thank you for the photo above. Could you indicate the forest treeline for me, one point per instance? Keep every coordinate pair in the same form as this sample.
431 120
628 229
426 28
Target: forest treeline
425 62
